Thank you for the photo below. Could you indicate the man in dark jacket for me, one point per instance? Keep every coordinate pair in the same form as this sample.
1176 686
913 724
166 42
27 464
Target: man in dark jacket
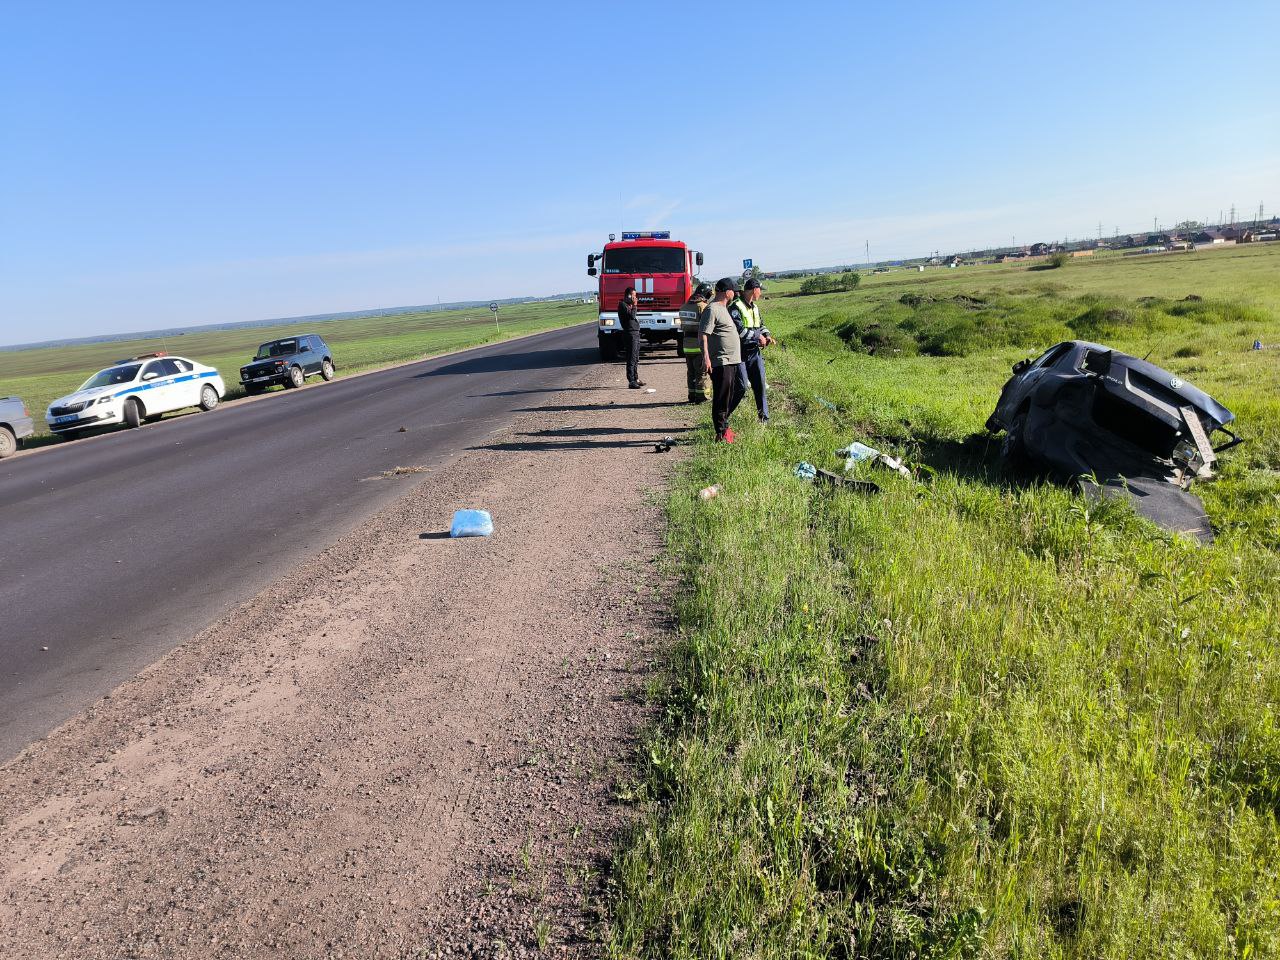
631 334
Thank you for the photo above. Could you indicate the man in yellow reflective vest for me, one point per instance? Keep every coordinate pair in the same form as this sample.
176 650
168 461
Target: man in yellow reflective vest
691 343
755 337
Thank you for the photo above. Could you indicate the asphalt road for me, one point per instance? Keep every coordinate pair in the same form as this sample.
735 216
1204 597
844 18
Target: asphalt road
116 548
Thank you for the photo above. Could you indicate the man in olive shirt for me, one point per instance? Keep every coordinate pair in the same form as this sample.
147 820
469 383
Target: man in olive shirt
721 355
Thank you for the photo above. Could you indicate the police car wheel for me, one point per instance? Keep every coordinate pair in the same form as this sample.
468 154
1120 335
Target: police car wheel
8 443
132 413
326 370
296 378
208 398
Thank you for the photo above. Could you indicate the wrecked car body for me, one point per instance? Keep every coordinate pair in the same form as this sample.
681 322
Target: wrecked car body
1118 425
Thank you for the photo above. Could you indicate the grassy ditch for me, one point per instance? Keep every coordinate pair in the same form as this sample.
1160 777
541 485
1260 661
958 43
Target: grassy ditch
966 718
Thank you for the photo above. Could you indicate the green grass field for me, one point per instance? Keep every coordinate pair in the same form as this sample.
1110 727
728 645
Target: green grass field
39 376
966 717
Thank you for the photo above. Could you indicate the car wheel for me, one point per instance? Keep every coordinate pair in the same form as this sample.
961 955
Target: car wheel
296 377
208 398
8 443
1013 446
133 413
326 370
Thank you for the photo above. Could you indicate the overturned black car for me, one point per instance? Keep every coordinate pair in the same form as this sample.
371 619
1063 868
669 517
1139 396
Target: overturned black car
1115 424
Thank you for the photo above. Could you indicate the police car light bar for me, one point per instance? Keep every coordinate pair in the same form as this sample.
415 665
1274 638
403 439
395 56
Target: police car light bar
648 235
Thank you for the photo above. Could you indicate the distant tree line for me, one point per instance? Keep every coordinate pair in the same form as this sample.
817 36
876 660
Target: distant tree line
831 283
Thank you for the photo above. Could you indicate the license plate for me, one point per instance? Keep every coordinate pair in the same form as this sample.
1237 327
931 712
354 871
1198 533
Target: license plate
66 419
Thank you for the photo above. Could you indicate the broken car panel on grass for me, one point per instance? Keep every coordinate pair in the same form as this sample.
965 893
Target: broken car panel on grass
1118 426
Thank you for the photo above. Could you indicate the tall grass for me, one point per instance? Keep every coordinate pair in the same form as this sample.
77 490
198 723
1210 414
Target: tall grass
964 717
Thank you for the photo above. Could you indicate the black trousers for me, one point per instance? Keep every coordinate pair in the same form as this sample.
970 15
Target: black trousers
633 355
725 395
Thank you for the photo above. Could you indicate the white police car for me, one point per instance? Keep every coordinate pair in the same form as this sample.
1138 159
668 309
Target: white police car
134 390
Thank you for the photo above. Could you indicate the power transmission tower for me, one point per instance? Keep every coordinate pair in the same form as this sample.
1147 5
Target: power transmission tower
1233 214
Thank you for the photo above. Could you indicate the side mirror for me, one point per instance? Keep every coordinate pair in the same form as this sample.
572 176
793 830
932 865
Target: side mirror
697 257
1021 365
591 271
150 376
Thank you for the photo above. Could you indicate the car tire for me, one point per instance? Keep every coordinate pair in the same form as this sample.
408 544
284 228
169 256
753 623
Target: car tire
296 378
133 413
1013 446
326 370
8 443
208 398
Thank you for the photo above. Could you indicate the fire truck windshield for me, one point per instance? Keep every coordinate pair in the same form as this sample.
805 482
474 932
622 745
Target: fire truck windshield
644 260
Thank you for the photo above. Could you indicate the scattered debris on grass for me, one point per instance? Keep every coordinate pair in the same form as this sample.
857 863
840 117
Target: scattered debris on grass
825 478
709 493
857 452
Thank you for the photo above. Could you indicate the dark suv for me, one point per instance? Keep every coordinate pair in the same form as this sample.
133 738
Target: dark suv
288 361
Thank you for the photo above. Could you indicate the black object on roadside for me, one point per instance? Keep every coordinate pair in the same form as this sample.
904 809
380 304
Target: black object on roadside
825 478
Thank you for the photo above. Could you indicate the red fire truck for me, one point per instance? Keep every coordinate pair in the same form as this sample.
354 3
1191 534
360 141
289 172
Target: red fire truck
663 272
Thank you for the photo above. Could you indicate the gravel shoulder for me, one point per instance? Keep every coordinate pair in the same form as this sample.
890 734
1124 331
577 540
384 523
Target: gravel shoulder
409 746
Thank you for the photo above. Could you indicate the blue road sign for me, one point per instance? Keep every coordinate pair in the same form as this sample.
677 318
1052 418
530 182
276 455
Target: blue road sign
746 264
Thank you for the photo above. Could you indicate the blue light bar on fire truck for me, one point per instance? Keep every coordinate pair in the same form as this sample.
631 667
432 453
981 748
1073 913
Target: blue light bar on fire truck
648 235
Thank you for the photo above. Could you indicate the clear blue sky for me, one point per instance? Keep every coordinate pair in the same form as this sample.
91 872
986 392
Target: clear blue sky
169 164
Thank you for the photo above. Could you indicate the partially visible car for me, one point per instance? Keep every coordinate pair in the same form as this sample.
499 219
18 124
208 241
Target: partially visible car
1114 424
287 361
15 425
135 390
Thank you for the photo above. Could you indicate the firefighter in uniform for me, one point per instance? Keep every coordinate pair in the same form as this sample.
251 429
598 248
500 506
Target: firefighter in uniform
746 314
691 343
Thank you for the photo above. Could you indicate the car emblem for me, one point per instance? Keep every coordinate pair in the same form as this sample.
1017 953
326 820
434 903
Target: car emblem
1175 383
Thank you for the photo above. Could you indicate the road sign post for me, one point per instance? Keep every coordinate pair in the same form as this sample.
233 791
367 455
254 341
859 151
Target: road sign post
746 264
494 307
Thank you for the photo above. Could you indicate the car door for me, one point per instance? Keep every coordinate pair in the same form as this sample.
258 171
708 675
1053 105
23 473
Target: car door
156 387
313 356
186 386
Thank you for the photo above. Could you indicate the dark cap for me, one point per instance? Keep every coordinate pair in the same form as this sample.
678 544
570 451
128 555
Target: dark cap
753 284
726 283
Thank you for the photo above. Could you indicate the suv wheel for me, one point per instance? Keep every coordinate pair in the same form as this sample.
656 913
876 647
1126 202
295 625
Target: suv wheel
326 369
296 377
132 413
8 443
208 398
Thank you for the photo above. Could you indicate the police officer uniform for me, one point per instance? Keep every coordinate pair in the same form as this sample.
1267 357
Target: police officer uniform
751 370
691 343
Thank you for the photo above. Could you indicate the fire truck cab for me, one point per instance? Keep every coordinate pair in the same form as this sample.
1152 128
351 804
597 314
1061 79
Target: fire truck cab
663 272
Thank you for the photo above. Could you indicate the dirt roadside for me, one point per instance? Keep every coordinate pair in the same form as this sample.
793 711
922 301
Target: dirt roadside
410 746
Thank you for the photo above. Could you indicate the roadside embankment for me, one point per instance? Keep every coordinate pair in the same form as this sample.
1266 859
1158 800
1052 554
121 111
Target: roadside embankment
967 717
